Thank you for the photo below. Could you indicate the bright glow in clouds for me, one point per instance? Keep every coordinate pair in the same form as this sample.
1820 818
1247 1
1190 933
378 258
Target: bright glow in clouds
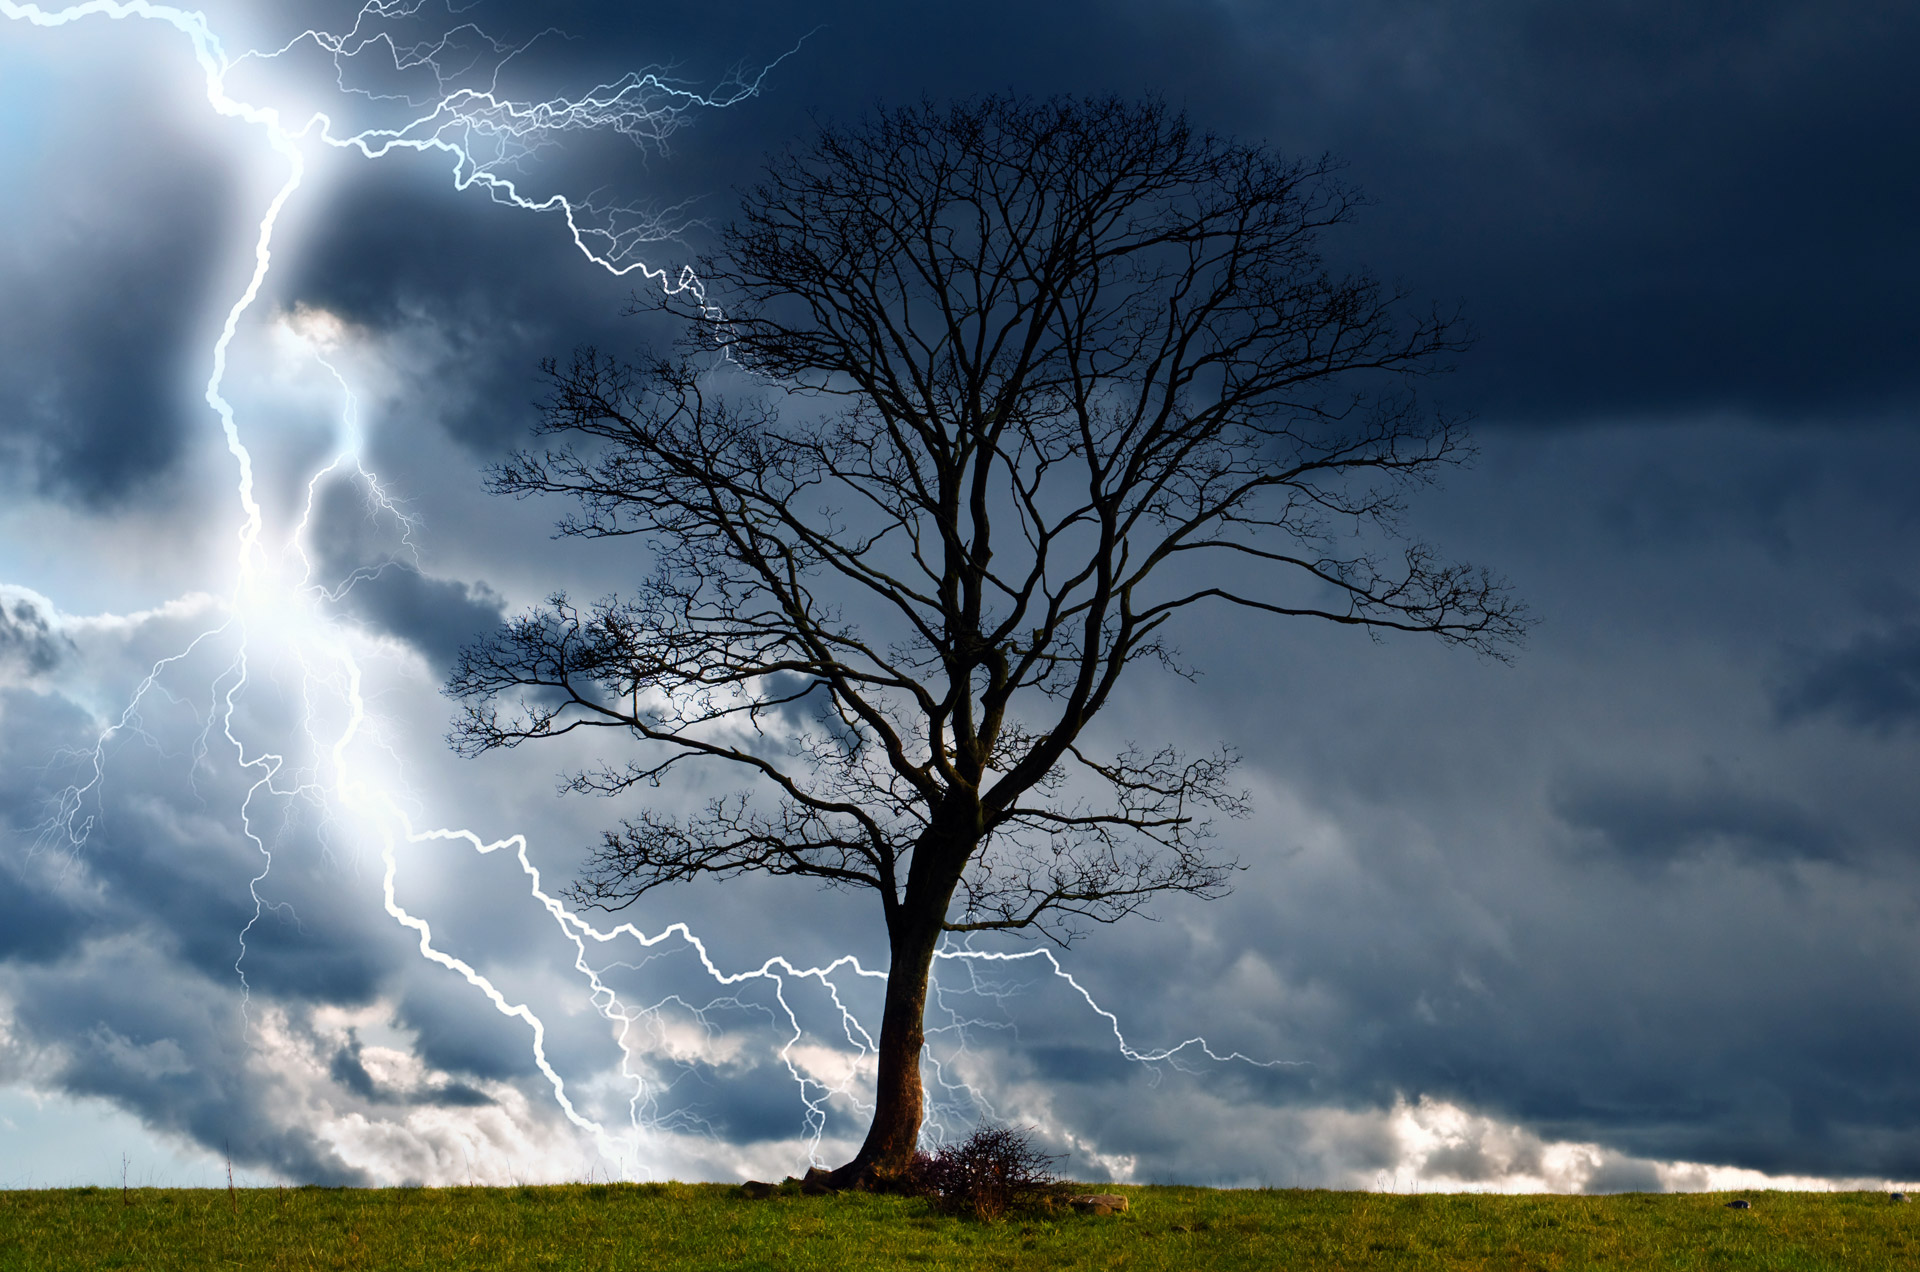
286 704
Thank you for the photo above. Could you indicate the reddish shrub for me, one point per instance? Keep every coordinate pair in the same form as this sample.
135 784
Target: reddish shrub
992 1171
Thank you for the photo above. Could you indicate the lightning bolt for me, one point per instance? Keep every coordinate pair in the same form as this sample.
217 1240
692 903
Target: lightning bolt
487 139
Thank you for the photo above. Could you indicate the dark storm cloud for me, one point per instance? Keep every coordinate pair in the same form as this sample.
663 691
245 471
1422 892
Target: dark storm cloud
493 290
1643 209
1081 1064
1872 683
741 1106
1476 1161
170 1057
1658 819
36 923
95 431
436 616
347 1069
118 954
1781 1051
456 1036
104 313
27 641
155 858
1601 893
40 920
358 558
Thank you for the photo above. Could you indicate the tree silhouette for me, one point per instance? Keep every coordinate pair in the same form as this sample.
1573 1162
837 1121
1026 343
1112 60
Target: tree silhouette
1013 385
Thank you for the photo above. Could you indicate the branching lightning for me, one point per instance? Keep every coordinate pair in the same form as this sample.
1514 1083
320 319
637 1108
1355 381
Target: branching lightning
488 140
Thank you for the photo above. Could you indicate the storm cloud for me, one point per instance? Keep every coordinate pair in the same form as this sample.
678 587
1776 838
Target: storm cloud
28 644
1871 683
1637 911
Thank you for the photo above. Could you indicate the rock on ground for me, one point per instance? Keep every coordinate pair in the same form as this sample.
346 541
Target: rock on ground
1098 1203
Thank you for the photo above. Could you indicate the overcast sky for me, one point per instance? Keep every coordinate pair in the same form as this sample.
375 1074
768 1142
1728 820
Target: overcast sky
1636 911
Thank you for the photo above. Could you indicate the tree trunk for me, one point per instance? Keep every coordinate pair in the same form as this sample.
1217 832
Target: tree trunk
888 1152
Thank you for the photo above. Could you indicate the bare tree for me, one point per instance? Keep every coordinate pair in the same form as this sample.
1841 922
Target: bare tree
1054 373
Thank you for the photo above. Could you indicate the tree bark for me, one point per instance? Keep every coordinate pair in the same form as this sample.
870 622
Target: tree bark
899 1103
914 933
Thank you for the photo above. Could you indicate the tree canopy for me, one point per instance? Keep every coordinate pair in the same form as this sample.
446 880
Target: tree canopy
973 403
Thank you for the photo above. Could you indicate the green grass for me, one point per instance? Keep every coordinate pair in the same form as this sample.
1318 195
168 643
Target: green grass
662 1226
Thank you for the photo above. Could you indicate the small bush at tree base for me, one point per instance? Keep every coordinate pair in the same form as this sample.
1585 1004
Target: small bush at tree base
992 1171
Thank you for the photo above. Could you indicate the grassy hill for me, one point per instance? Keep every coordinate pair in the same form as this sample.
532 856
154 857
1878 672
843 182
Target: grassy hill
712 1226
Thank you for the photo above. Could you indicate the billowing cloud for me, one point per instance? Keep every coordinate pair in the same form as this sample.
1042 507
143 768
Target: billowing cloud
1658 819
29 646
126 279
363 560
1871 683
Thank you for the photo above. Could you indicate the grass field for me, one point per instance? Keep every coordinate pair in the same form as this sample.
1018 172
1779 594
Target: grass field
647 1227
